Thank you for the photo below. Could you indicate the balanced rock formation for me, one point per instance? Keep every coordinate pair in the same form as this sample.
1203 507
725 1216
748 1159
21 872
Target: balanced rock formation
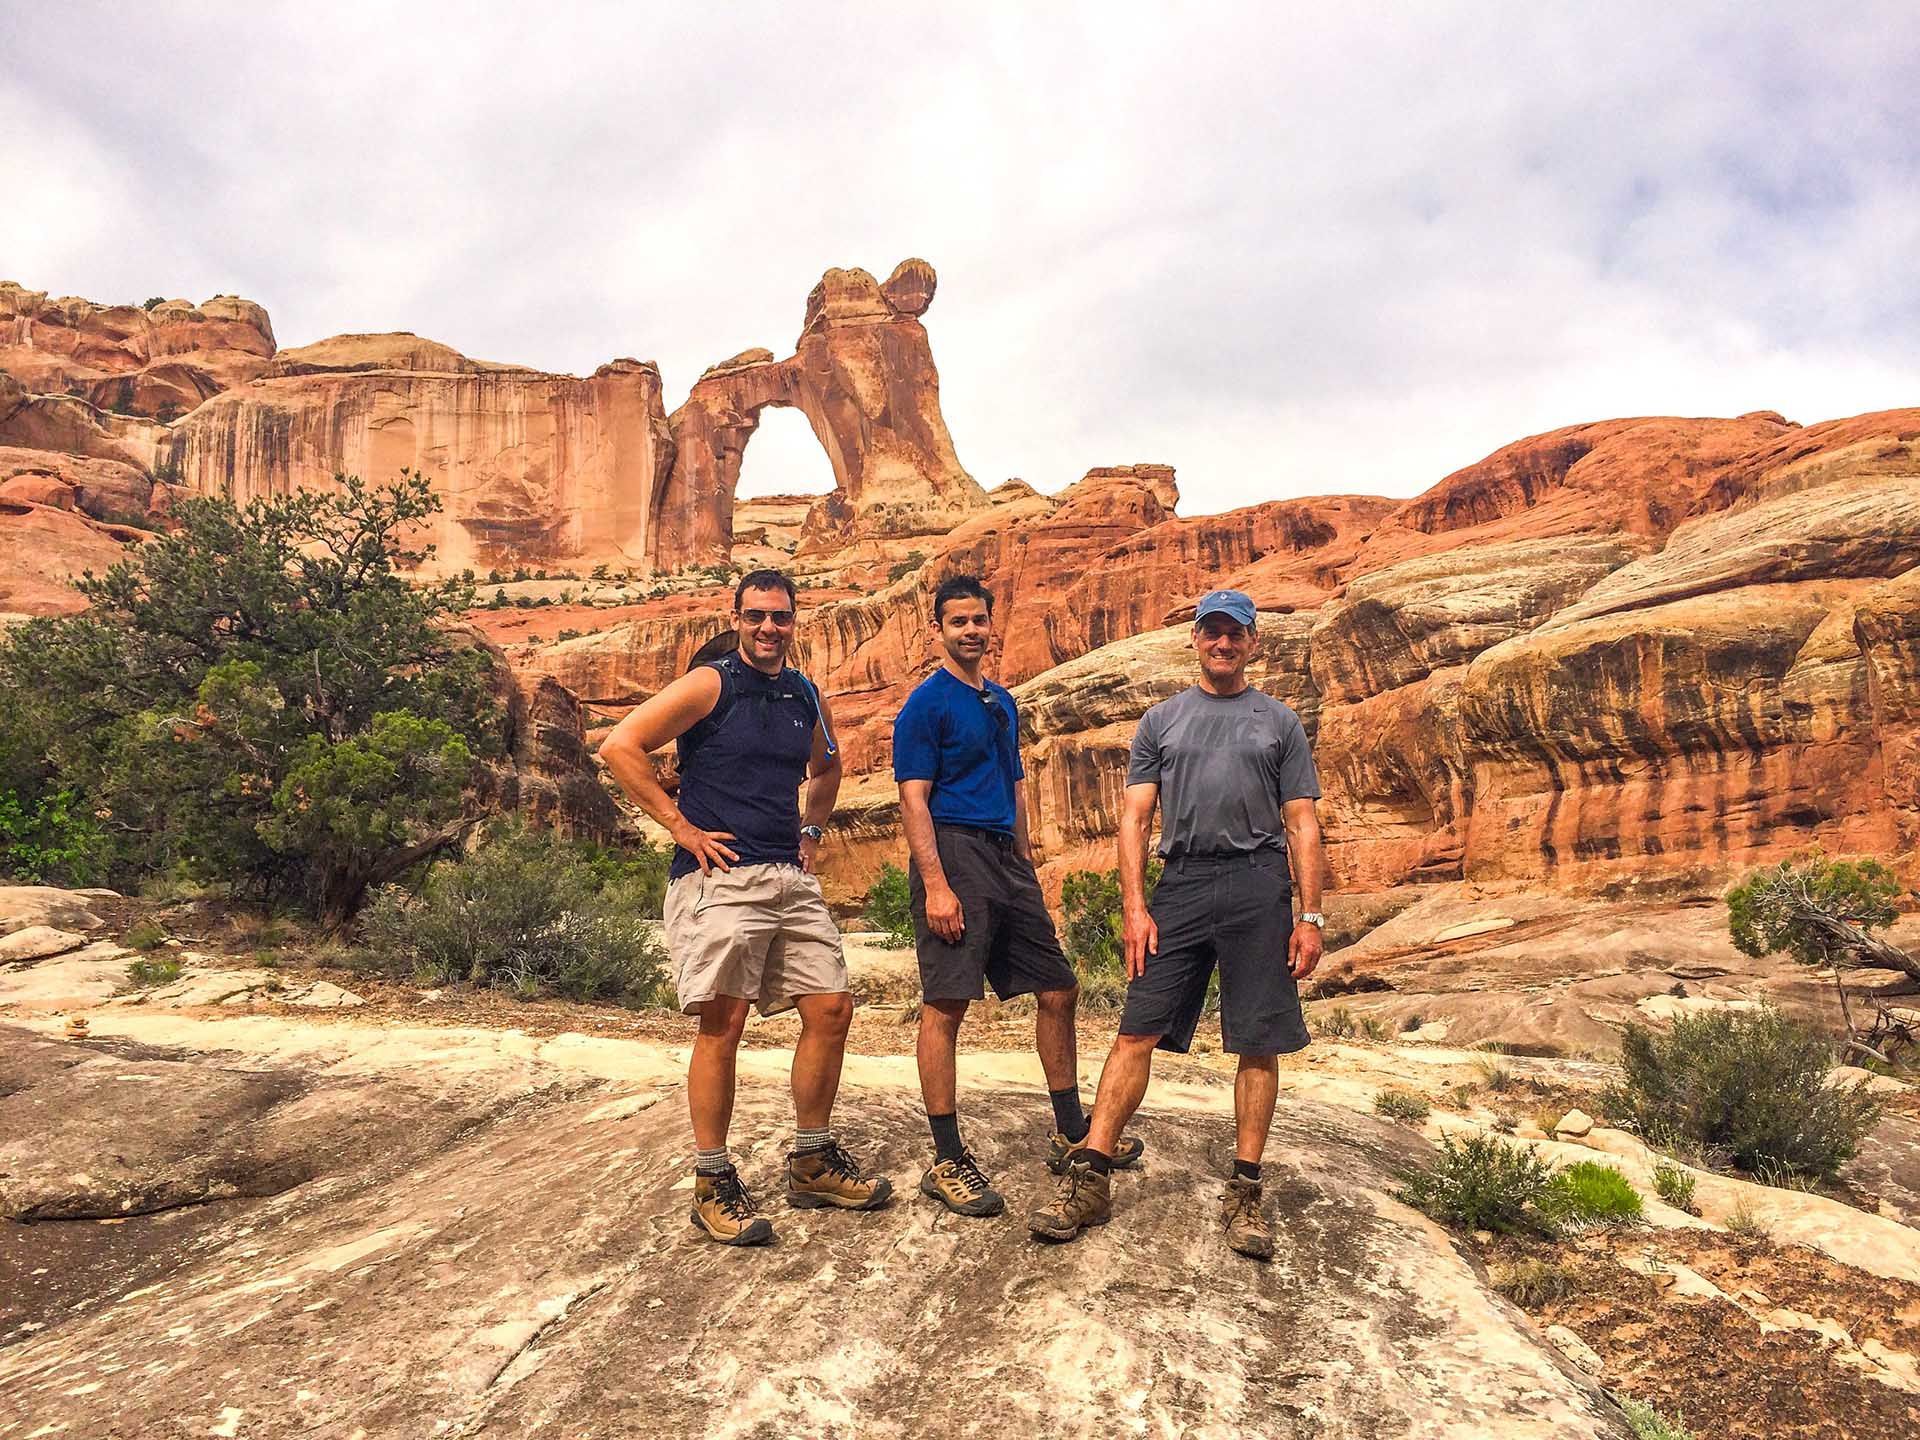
863 375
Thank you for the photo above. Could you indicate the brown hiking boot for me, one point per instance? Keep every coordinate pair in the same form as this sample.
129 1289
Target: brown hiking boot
961 1187
1060 1150
830 1176
1084 1197
1247 1228
722 1208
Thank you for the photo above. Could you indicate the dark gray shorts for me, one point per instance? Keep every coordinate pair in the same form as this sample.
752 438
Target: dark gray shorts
1009 939
1235 912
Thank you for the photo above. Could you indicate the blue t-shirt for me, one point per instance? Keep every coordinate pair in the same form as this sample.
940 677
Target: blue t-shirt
966 741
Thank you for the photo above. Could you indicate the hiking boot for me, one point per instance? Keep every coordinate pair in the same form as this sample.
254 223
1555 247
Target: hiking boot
722 1208
1247 1228
830 1176
959 1185
1060 1150
1084 1197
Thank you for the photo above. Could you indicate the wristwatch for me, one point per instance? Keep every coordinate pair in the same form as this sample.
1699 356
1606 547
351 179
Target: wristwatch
1313 917
811 832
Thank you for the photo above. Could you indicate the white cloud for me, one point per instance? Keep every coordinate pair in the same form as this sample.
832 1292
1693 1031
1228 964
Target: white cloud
1285 250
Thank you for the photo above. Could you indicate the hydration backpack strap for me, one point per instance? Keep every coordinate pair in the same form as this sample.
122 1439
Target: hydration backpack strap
820 715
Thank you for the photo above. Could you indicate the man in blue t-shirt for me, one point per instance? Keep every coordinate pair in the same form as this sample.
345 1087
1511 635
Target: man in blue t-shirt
978 915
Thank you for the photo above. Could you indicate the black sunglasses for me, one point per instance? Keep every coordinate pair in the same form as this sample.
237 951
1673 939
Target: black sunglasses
782 618
992 702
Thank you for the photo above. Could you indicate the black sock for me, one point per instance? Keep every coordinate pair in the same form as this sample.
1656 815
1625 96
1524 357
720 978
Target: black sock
1068 1118
1247 1170
1098 1161
946 1137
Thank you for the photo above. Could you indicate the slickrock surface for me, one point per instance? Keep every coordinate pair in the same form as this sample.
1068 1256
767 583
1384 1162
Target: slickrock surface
497 1243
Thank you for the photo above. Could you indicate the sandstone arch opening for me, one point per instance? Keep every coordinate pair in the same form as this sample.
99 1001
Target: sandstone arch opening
862 378
783 472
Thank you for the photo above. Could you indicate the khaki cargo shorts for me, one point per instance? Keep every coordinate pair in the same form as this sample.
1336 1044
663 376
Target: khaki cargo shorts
756 932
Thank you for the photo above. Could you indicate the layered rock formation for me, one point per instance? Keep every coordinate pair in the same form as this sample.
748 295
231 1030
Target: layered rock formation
159 360
532 467
863 375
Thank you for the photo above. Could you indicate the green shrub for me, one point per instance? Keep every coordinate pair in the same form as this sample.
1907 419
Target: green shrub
1588 1195
1811 907
1401 1105
889 907
1674 1184
530 913
1750 1085
1532 1283
146 935
1093 932
1649 1424
244 644
1481 1183
147 972
50 840
1744 1223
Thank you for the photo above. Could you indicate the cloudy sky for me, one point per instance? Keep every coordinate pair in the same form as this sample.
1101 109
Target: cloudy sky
1286 250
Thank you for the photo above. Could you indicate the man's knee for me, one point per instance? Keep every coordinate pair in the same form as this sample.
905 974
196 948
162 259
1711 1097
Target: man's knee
1135 1044
942 1016
829 1015
723 1019
1058 1004
1263 1064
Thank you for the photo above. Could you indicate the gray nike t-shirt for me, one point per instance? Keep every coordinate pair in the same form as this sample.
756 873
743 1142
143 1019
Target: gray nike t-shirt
1225 764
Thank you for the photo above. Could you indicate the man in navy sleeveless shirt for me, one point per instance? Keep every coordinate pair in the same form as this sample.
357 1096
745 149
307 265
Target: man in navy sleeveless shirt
745 920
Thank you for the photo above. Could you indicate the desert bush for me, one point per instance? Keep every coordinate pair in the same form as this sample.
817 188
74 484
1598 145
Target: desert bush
1336 1024
1674 1184
1401 1105
258 695
889 907
530 913
1751 1085
1493 1075
147 971
1481 1183
145 935
1589 1195
1532 1282
1744 1223
1649 1424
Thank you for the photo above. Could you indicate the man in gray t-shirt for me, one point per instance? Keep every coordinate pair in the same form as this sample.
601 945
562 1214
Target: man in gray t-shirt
1230 770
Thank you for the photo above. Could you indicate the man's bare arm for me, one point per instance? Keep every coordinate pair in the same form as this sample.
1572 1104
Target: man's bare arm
944 915
1022 841
627 751
1304 855
823 786
1139 935
1303 850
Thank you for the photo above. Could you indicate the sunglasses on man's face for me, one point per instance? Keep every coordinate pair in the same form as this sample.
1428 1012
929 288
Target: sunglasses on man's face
782 618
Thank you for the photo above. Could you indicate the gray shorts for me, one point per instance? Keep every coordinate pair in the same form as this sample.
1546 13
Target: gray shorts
755 932
1234 912
1008 939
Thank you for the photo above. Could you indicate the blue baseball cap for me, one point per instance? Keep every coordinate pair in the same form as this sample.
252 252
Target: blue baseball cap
1231 603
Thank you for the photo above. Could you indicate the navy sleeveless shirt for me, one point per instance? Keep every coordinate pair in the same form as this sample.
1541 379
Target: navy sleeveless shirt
742 766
